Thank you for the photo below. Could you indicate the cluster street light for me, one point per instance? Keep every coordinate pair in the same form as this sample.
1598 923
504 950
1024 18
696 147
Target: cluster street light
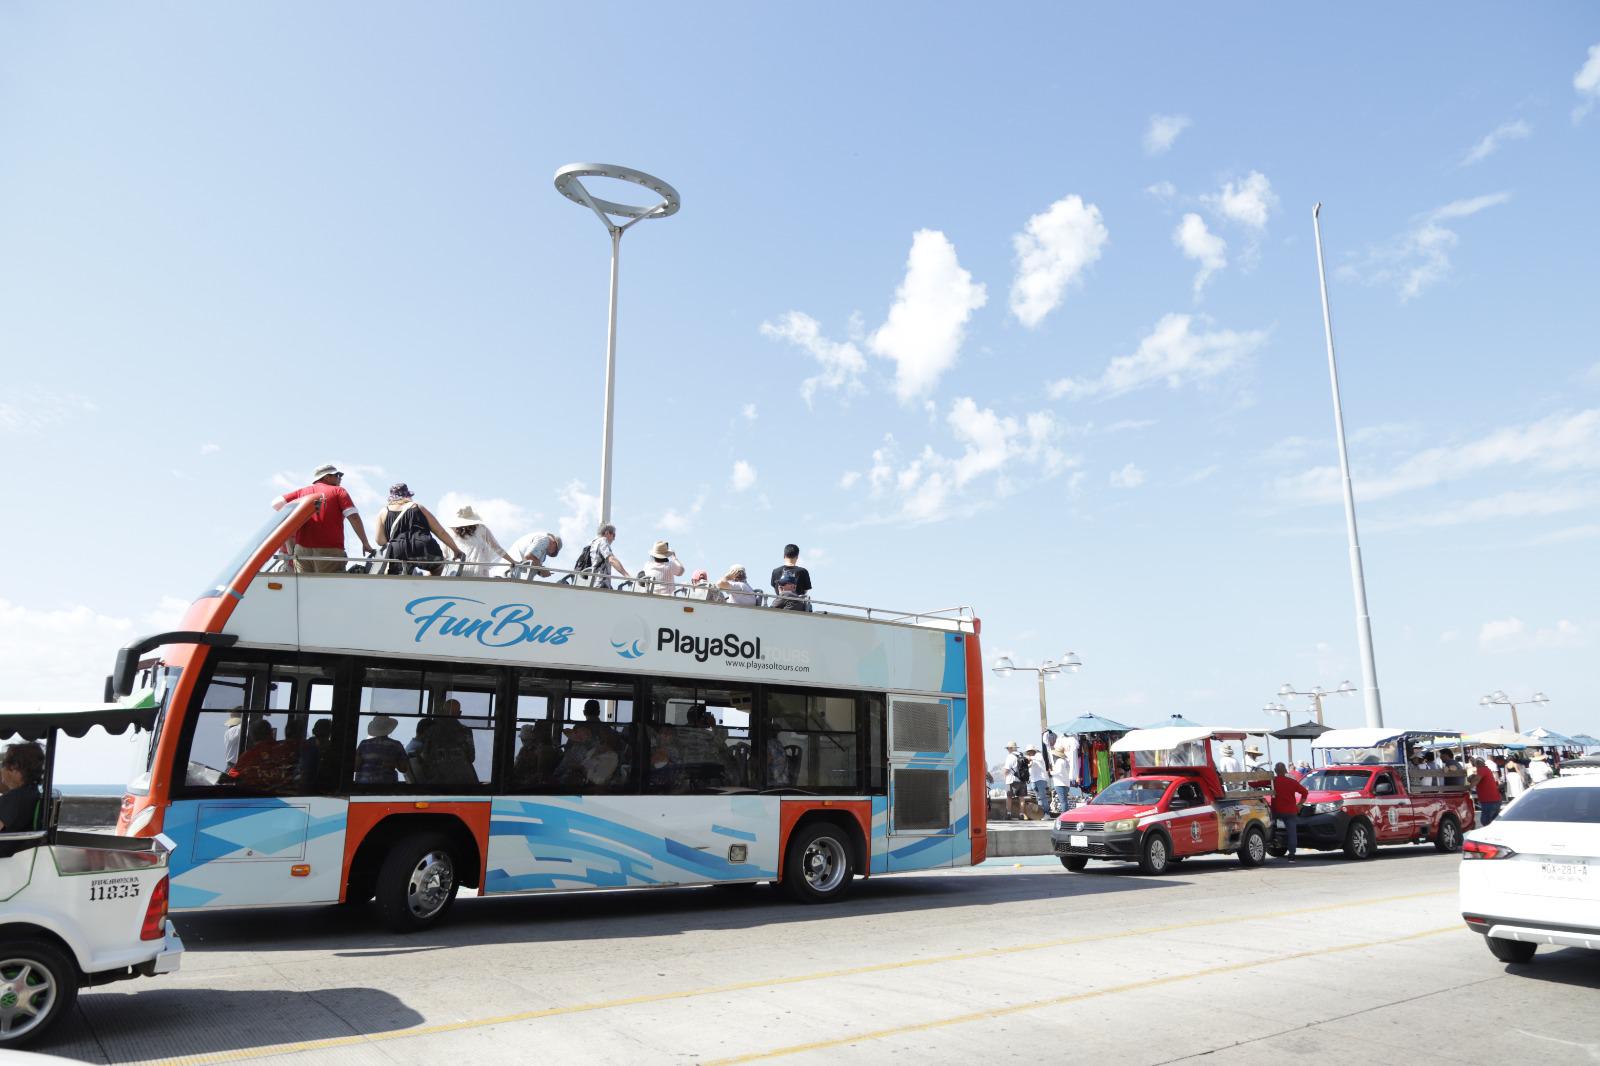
1316 694
1500 699
1068 663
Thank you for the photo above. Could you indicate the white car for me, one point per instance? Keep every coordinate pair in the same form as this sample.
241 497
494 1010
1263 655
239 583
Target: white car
1533 875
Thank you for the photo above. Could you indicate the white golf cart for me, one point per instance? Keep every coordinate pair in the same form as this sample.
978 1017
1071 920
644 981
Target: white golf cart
76 907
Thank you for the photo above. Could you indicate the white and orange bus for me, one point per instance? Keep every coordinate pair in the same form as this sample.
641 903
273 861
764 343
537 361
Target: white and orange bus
353 736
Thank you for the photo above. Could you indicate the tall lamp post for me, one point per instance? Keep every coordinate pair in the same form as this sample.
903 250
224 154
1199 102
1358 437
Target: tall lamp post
1278 708
1068 663
1316 693
1498 698
569 181
1369 668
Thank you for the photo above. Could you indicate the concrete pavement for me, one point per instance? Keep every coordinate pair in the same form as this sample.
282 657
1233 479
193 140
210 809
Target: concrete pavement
1014 957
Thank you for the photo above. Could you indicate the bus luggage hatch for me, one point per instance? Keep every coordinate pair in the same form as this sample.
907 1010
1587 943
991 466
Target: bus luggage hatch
923 818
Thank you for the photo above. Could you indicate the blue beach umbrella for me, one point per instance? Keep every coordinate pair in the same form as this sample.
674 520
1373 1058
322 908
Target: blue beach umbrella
1090 723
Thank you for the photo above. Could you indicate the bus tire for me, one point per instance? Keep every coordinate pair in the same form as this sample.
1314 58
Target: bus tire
817 868
43 975
1358 841
1253 848
1075 863
1155 854
417 882
1448 838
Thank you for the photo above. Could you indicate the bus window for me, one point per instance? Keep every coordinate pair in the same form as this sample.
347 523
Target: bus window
596 739
425 731
539 703
699 739
811 742
264 729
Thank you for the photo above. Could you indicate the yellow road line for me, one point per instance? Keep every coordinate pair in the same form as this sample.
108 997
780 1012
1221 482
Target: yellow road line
245 1054
1074 997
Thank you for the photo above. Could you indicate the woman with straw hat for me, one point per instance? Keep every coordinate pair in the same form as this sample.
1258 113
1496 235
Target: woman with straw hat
479 545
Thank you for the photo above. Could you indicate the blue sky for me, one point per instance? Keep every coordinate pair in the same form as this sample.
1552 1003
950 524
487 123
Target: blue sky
1013 308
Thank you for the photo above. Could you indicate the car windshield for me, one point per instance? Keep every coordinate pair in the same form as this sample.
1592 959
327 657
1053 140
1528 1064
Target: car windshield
1337 781
1133 792
1581 804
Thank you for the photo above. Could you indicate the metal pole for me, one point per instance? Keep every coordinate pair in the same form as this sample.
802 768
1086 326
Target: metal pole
1044 719
1369 669
611 380
1317 697
1516 725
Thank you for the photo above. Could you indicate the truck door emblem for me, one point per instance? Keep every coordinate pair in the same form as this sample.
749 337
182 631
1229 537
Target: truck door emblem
1194 830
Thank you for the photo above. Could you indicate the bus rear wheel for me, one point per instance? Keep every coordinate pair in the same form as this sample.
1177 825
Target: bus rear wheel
417 883
817 868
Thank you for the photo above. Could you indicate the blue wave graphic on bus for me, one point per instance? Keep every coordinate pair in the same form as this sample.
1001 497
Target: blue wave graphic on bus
507 625
628 649
627 638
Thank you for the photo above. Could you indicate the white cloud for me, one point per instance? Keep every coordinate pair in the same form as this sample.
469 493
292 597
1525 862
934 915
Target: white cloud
1249 202
1053 250
506 520
1204 247
1162 131
581 518
744 476
849 479
31 410
676 521
1202 474
1129 477
927 323
1172 353
1586 83
749 412
210 449
1419 257
1510 634
1571 533
1162 190
1521 503
1494 139
1557 443
842 363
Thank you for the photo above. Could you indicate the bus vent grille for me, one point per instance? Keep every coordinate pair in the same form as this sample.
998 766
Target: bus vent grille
921 727
921 800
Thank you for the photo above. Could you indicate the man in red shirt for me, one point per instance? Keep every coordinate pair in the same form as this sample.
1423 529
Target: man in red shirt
1287 795
1487 789
319 546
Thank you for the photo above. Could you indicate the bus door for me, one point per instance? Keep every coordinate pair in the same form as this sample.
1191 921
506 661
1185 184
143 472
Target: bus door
926 823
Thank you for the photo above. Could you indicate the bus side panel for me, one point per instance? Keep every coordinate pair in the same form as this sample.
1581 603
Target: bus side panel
952 847
247 852
574 842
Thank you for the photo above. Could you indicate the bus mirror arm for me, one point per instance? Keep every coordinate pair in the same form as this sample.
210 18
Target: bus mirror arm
120 683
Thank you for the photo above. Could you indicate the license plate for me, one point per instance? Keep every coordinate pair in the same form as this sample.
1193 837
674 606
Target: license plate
1564 871
1078 841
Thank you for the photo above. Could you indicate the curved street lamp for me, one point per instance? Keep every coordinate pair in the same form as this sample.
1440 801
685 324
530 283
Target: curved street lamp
1068 663
569 182
1316 693
1500 699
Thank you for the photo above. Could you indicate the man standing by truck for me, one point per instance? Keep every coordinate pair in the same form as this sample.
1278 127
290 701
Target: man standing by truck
1287 795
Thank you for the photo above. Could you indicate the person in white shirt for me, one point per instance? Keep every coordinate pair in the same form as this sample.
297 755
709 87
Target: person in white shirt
1518 780
736 584
1539 768
479 546
1039 778
536 549
1015 787
662 569
1061 773
604 560
1230 762
1256 765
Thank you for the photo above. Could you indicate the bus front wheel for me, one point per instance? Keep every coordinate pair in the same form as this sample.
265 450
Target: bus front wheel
817 868
417 883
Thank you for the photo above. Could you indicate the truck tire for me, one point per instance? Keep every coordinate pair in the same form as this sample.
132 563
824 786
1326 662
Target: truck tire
1448 838
1358 840
417 883
38 984
1253 848
1511 950
1075 863
1155 854
817 867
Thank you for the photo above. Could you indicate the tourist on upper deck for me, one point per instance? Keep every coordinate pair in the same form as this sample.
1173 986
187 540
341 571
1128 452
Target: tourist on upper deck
603 560
792 582
536 549
662 569
701 588
479 545
319 544
406 532
737 584
21 772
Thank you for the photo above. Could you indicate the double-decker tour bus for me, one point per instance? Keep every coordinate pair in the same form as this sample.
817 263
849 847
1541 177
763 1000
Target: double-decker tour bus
352 736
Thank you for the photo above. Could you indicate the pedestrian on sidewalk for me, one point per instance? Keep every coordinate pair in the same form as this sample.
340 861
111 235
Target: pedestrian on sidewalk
1061 774
1039 776
1487 791
1016 771
1287 795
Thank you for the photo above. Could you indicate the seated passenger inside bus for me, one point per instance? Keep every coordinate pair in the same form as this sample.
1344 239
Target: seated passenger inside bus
381 759
444 749
537 758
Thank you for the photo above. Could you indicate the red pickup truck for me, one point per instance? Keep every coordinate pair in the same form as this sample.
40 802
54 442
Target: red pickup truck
1174 806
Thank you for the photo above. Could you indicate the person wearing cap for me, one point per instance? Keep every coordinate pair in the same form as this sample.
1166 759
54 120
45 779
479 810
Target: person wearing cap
662 569
1230 762
605 561
1539 767
407 532
701 588
381 759
1015 766
791 581
319 544
481 549
536 549
736 583
1061 774
1039 780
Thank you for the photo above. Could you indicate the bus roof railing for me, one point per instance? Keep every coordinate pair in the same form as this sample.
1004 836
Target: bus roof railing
960 618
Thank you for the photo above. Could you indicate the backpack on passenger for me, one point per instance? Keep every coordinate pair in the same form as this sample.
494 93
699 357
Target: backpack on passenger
585 561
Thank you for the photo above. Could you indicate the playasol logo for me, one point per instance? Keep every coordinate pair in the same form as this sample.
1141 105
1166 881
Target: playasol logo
504 626
734 649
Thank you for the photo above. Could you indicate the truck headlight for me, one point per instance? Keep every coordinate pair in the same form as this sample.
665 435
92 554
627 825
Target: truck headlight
1327 808
1121 825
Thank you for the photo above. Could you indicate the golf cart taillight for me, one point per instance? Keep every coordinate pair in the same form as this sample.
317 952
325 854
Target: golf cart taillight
1477 849
155 913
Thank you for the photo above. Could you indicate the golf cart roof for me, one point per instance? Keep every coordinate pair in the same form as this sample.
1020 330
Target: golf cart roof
1168 737
1377 736
38 721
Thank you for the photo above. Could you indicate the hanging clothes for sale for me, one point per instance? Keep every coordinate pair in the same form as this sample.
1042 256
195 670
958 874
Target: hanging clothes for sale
1102 769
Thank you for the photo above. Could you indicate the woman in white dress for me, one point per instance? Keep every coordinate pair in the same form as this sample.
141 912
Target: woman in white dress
482 551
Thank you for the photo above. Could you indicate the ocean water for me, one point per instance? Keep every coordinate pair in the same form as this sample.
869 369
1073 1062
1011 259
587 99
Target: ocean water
92 790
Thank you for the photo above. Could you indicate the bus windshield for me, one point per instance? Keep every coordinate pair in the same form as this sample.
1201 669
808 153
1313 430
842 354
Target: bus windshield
268 528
